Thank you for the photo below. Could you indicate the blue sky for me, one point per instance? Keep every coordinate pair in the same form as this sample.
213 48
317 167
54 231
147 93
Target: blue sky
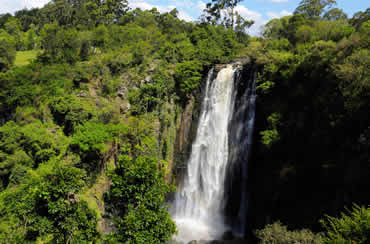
259 10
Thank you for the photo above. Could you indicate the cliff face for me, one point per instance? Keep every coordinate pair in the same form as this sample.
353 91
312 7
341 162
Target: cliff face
301 195
316 167
185 132
184 138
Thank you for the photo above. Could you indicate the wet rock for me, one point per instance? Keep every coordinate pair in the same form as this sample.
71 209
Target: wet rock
236 62
219 67
242 61
185 126
228 235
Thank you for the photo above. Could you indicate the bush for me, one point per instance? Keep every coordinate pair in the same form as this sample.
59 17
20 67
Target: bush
351 227
100 36
117 61
69 111
188 76
59 45
138 196
279 234
28 146
48 205
7 50
90 142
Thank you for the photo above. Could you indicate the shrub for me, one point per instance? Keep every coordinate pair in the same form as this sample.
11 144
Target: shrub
48 205
279 234
69 111
188 76
7 50
59 45
90 142
351 227
138 196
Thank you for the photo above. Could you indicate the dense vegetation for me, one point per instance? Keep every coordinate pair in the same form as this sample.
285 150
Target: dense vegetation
88 127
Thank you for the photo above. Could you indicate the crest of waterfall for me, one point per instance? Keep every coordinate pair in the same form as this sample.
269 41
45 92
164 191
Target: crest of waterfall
198 209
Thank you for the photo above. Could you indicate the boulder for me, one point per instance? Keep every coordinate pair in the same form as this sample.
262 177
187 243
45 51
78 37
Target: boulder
122 92
124 108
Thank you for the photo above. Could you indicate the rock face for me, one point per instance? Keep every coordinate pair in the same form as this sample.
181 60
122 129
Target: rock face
122 92
238 61
184 137
219 67
185 126
242 61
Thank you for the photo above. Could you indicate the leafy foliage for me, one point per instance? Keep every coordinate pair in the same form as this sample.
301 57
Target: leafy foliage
313 8
279 234
353 226
90 142
7 50
27 146
46 208
96 98
138 195
188 76
59 44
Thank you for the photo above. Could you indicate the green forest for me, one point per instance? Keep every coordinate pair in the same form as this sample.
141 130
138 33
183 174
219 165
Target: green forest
93 96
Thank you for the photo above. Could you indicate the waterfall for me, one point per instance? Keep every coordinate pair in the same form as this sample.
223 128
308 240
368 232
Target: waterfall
240 143
198 209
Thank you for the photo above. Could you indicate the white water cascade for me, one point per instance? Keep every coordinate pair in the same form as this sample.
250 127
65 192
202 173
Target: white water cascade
198 207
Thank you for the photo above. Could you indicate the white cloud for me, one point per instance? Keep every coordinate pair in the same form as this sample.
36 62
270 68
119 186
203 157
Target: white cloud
275 15
201 6
11 6
279 1
34 3
184 16
259 21
285 13
162 9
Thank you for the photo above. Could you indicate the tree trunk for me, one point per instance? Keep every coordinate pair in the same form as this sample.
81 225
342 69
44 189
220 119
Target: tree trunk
232 14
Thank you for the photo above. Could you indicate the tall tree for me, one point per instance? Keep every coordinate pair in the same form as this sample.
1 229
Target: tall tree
335 14
223 12
28 17
3 19
359 18
313 8
84 12
13 27
7 50
137 195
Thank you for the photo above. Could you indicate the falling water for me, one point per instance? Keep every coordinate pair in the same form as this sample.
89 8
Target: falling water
198 209
240 144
